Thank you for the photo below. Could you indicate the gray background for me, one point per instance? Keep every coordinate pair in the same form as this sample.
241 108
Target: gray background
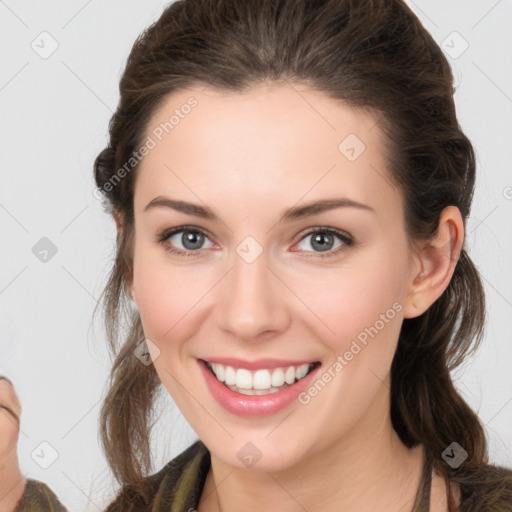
54 116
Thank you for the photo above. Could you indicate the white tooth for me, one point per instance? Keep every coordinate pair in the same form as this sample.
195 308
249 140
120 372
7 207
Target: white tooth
219 371
243 379
261 379
289 376
230 376
301 371
245 391
277 377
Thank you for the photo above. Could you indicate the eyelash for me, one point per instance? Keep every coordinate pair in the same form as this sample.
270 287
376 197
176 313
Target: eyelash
163 237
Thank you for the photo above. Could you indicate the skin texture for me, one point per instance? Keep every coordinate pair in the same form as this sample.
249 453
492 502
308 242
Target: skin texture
248 157
12 482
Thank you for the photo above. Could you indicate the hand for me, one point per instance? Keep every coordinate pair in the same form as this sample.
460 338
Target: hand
12 482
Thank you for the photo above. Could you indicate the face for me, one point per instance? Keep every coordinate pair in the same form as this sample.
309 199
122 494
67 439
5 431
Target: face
234 266
10 412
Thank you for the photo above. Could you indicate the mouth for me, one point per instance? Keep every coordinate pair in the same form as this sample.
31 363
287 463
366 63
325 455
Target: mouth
262 381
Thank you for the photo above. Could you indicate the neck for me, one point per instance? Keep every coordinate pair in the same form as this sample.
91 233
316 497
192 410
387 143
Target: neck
367 469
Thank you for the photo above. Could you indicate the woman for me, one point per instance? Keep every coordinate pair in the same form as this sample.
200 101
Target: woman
310 154
17 493
316 378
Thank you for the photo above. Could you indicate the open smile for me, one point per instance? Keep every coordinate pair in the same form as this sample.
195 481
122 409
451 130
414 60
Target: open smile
256 389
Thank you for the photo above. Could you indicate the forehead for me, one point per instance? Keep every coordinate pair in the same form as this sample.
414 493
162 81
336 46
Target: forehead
283 142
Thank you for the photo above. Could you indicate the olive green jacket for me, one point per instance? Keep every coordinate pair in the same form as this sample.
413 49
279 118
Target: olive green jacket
38 497
177 487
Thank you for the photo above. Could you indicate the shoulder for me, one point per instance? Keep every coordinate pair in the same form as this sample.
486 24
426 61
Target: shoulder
182 476
38 496
486 489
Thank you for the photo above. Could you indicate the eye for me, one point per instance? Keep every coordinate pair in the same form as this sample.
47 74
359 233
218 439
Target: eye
325 238
190 238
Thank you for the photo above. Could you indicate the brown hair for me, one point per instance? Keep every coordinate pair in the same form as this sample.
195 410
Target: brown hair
373 54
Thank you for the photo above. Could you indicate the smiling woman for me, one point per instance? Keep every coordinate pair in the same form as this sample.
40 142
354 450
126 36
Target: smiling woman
320 182
298 233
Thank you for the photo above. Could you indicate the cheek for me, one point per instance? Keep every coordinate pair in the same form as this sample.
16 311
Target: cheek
362 306
350 302
9 437
168 296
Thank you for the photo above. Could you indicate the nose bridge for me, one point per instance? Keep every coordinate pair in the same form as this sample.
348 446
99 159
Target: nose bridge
253 303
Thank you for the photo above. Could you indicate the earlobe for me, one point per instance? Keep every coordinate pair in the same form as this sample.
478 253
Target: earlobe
436 262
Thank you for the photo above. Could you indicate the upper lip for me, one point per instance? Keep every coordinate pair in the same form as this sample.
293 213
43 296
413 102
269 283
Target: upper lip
258 364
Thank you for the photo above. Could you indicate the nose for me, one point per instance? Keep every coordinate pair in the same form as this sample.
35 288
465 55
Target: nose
254 302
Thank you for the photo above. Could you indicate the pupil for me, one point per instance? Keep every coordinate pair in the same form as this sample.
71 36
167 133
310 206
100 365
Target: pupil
192 236
320 237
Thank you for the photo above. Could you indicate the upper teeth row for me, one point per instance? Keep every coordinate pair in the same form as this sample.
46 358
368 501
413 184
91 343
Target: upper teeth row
260 379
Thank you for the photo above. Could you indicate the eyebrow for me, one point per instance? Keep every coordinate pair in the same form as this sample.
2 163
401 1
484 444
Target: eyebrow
293 213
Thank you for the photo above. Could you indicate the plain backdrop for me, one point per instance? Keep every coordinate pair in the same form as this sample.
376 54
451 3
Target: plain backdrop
54 116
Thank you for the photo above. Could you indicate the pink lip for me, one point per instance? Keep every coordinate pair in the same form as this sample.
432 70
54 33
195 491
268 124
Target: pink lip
255 365
254 405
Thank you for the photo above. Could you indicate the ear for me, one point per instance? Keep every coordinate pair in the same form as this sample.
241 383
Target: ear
435 263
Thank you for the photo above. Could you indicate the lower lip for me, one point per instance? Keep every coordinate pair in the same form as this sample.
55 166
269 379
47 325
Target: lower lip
254 405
